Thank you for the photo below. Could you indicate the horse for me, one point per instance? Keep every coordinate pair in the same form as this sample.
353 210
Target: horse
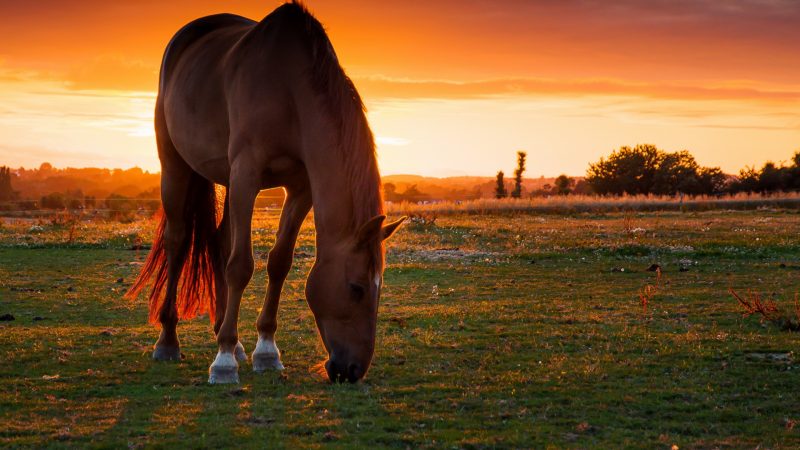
249 106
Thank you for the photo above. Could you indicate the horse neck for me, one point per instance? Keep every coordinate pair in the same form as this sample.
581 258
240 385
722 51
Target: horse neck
340 207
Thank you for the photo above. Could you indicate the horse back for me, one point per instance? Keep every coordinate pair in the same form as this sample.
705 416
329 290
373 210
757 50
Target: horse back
228 80
191 94
194 31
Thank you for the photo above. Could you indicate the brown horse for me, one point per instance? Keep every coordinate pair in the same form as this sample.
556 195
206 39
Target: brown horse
255 105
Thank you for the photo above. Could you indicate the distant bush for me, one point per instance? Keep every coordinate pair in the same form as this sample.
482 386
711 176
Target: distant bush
771 177
645 170
55 200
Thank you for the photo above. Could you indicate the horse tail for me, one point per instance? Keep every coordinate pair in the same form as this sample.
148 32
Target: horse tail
196 293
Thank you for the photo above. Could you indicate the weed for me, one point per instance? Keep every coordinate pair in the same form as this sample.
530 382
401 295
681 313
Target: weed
769 310
649 291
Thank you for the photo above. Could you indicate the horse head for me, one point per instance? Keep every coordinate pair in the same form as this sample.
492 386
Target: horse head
343 290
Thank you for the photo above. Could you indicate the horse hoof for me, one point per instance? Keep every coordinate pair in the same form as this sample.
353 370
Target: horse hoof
224 369
264 362
167 353
239 352
266 356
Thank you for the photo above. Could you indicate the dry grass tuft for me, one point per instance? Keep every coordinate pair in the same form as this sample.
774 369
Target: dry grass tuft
650 290
571 204
318 370
752 303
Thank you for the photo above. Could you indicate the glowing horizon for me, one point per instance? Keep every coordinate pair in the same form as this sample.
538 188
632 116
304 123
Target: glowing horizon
452 88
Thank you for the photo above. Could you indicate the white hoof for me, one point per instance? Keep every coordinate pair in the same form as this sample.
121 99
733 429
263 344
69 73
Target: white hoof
266 356
224 369
239 352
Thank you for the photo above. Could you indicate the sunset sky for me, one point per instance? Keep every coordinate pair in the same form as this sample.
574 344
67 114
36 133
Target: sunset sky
453 87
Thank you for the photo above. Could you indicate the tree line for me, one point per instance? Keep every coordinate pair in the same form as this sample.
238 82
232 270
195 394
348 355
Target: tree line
640 170
645 169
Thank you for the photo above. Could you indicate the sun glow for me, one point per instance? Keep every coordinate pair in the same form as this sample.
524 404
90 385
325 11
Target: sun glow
457 90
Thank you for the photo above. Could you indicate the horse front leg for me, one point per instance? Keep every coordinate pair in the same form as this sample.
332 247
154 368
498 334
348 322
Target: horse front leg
221 256
266 354
244 183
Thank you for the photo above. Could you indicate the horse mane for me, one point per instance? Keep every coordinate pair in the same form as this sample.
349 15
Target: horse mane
348 113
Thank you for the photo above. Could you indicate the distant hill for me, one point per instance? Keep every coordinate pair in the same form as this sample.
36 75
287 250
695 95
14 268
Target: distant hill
462 187
32 184
99 184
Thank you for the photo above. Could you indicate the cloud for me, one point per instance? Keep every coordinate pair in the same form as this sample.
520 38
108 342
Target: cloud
32 156
14 75
113 72
385 87
750 127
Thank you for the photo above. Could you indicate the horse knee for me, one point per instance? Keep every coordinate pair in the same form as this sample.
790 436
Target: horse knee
239 270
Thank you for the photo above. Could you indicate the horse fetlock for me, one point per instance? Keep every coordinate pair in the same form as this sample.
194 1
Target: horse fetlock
167 348
167 353
168 318
266 356
224 369
239 352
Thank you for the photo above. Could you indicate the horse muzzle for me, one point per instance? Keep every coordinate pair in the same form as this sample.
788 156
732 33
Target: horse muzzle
340 371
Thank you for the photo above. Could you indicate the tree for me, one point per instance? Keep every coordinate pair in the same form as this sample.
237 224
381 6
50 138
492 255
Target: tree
414 195
626 171
645 169
582 188
562 185
517 192
390 192
793 182
120 203
772 178
676 172
500 188
6 192
747 181
54 201
713 181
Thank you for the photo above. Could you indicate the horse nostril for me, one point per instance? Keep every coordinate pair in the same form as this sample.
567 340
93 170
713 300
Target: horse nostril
354 373
336 372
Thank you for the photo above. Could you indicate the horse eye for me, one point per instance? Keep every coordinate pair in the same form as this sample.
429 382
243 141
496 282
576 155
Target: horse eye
357 291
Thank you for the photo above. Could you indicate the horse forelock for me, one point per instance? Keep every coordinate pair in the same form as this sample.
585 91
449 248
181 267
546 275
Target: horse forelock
356 142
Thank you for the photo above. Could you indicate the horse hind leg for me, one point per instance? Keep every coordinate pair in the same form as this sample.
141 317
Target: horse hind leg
175 187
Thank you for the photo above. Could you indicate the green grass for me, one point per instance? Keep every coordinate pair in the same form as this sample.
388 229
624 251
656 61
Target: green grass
494 331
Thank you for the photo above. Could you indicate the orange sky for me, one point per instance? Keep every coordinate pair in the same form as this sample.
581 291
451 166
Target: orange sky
452 86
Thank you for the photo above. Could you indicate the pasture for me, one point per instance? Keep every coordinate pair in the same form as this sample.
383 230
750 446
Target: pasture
495 330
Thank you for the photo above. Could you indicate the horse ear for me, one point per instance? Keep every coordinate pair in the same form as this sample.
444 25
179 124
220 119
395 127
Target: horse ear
390 228
370 230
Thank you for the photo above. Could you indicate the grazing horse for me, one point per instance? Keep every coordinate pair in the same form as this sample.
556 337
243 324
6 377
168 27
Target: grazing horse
255 105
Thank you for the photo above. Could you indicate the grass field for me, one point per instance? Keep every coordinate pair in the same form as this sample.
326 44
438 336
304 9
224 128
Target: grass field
495 331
